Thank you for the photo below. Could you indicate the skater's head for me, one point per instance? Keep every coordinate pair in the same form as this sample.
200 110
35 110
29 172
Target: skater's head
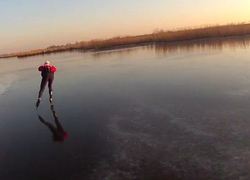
46 63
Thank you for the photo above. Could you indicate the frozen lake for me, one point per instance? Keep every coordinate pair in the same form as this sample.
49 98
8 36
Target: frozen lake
176 111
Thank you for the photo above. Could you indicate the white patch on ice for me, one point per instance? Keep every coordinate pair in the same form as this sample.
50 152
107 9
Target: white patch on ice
239 92
6 81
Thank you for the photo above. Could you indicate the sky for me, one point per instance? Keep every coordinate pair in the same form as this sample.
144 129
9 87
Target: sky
32 24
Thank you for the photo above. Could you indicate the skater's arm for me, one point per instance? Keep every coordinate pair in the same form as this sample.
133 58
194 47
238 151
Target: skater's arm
53 69
40 68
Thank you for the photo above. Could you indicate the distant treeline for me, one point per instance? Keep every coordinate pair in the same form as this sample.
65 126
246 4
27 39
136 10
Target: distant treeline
156 37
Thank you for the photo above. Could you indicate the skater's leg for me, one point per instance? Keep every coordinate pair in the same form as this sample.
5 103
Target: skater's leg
50 88
42 87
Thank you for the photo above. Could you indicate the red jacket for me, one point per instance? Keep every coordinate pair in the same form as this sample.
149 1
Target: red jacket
45 67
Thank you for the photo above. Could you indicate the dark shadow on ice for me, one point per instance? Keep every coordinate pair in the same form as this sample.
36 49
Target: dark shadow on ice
59 134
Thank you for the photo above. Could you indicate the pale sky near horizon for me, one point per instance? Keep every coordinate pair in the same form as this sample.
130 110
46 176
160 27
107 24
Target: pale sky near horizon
31 24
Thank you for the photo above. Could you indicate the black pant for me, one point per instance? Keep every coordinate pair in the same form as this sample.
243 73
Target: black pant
46 79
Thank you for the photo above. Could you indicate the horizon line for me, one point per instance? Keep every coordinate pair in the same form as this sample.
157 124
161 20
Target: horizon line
156 30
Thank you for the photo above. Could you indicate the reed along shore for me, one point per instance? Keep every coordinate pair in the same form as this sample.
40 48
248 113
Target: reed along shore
220 31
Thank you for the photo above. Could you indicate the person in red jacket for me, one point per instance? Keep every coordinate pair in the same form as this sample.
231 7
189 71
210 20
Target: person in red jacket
47 73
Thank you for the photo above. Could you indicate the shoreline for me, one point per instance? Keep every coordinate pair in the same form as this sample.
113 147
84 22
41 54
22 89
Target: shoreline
179 36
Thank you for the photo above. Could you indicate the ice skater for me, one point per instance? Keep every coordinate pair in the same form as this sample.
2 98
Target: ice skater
47 73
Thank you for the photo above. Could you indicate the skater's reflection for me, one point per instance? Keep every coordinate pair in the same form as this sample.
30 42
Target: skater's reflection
59 134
